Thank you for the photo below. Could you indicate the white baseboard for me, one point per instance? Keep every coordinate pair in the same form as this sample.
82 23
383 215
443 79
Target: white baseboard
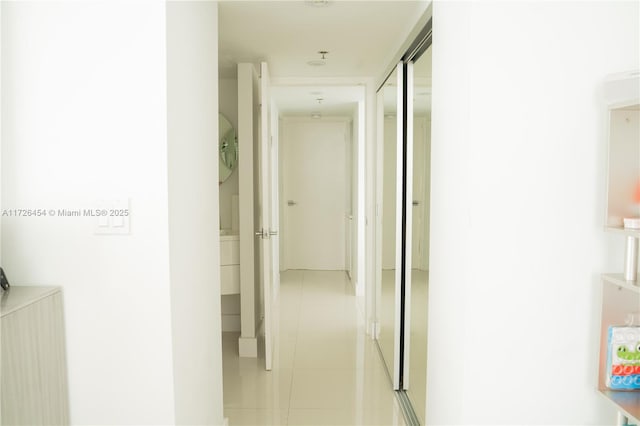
248 347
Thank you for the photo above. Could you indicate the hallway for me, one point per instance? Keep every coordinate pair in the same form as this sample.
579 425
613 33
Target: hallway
327 371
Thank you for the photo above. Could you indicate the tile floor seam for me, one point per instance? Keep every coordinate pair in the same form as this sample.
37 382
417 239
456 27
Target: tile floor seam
295 350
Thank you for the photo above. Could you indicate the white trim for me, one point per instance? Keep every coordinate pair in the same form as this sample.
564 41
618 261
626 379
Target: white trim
377 207
319 81
360 214
398 263
265 212
370 220
408 239
246 99
248 347
307 119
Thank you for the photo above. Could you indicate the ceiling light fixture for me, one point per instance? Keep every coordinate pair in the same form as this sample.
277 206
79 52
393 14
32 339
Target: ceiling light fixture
316 115
317 3
319 100
319 62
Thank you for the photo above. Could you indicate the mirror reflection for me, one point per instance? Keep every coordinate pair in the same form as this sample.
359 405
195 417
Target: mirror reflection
419 275
227 148
388 338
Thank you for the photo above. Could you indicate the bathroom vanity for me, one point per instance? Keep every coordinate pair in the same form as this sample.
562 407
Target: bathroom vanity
229 262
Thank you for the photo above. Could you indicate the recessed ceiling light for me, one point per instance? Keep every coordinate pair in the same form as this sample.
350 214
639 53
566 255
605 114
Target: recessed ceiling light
316 115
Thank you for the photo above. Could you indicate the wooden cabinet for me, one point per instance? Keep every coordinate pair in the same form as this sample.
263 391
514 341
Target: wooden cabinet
33 357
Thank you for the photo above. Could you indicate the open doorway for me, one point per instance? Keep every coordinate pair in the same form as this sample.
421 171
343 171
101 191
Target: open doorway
321 145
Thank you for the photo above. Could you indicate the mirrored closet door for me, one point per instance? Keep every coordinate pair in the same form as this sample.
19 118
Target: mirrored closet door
405 152
391 119
417 241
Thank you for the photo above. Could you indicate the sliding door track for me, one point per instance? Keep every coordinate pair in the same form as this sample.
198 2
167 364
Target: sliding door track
410 417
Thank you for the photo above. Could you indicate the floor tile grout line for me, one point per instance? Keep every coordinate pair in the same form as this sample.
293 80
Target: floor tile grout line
295 349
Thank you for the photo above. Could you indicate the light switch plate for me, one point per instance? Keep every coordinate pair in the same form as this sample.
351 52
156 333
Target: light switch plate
114 217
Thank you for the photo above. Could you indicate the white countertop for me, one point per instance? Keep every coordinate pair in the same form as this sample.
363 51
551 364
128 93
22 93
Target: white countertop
229 235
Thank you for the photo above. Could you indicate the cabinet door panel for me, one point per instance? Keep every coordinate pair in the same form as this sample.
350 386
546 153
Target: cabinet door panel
34 376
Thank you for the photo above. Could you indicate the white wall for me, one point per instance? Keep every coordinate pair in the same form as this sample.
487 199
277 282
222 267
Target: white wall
517 240
192 118
1 102
84 118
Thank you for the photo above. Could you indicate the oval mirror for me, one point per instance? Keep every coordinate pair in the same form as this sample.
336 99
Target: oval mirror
227 148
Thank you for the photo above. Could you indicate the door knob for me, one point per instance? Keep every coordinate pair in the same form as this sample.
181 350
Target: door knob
263 234
272 233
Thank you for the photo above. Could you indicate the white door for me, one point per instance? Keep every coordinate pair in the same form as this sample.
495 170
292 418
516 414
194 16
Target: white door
421 184
315 180
275 203
265 229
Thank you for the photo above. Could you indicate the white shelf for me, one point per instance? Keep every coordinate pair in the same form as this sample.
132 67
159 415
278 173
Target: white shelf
618 279
619 296
624 231
628 402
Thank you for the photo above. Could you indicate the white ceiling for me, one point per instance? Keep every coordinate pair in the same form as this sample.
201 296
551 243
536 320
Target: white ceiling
361 37
303 100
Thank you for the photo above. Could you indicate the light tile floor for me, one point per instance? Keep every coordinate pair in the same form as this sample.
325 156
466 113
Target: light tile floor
327 371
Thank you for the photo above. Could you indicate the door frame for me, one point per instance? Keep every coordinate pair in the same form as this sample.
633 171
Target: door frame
248 96
365 162
288 119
